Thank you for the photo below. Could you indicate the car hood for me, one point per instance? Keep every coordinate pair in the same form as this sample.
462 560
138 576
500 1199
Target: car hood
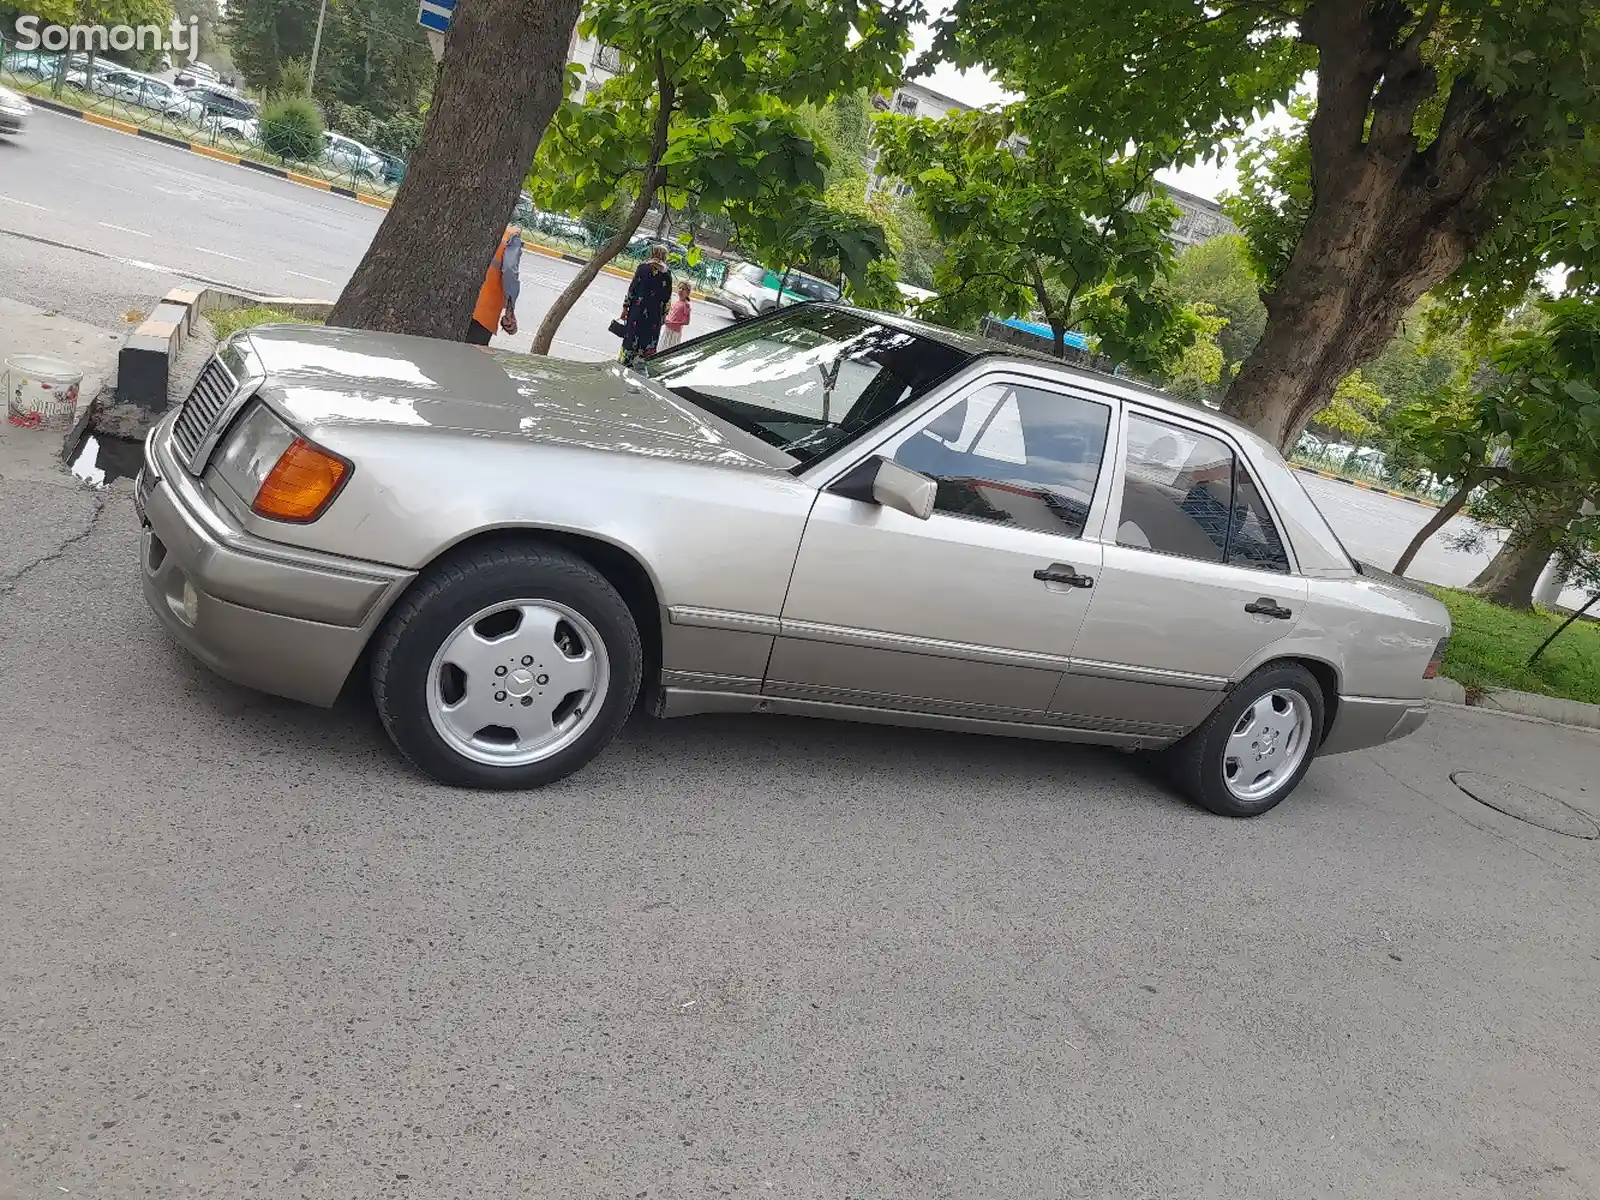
324 378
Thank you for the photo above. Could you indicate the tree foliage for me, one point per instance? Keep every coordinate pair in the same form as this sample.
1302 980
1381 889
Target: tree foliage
1529 426
705 108
373 54
1074 231
1450 138
1217 274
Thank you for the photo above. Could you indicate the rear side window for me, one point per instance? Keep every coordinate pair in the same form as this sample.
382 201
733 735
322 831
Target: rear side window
1187 495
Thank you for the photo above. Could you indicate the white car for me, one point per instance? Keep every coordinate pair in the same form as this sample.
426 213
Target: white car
347 154
145 91
14 112
195 74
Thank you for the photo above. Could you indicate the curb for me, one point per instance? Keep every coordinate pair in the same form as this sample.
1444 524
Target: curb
1525 706
1366 487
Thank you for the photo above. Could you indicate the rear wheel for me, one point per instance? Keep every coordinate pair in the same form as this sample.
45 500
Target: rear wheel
507 667
1256 747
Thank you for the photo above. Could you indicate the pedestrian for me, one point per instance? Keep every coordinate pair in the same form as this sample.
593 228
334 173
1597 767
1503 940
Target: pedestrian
677 317
502 284
646 305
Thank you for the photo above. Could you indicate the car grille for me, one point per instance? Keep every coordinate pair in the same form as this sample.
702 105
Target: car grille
201 411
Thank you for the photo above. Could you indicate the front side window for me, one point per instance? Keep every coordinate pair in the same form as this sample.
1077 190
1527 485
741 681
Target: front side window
1015 455
809 380
1187 495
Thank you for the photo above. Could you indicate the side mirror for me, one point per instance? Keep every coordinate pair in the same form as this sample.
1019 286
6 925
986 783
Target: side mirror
879 480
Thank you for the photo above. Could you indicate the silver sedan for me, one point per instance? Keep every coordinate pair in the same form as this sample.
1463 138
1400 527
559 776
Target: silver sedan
825 512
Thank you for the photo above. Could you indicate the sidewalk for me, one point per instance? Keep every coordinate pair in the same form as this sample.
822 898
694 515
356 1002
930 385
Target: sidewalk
43 508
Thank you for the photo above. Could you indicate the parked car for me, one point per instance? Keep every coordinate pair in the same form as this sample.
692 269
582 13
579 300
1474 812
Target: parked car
195 74
347 154
14 112
559 225
641 245
81 71
824 512
29 64
750 290
221 111
144 91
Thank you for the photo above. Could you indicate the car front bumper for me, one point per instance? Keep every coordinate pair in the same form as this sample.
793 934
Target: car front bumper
273 617
12 122
1360 722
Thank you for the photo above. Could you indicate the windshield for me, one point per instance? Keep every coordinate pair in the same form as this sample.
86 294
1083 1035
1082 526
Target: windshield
807 380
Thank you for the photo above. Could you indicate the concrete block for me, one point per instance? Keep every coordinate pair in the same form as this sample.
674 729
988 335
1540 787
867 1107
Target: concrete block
1546 708
1446 691
188 299
144 365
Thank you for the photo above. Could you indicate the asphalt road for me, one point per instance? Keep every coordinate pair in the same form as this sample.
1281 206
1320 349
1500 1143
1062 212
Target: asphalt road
95 224
244 950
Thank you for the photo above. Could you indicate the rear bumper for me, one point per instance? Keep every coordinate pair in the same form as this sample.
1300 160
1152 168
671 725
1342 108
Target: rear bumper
1362 722
264 615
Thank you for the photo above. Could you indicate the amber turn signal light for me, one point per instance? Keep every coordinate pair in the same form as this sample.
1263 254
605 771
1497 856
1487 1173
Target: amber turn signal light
302 484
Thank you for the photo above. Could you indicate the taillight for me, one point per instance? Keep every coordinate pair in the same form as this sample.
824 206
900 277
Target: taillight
1436 663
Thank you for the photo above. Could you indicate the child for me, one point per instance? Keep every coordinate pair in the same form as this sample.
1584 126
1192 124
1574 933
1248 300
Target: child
677 318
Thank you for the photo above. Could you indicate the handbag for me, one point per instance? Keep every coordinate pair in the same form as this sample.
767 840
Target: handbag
617 329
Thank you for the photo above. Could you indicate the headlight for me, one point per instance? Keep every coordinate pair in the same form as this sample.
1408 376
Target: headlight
282 474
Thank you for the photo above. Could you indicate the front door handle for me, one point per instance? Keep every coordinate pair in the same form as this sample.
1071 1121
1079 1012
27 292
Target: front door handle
1062 573
1268 607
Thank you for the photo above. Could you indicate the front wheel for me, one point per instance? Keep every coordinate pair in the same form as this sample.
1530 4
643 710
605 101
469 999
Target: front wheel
1256 747
507 667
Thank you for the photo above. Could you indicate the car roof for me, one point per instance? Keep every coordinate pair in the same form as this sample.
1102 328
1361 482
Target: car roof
989 348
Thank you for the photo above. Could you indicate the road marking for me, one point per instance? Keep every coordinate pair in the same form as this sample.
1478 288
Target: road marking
218 253
122 229
313 278
24 203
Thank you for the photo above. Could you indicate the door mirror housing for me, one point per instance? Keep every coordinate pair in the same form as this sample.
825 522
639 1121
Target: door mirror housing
881 481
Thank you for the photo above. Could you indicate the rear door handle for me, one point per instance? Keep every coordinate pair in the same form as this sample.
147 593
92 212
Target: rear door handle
1268 607
1062 573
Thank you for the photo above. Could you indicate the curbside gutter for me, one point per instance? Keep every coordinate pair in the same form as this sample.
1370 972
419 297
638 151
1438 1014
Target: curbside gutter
1527 705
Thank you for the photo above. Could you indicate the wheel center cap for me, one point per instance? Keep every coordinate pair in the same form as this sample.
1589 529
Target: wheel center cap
519 682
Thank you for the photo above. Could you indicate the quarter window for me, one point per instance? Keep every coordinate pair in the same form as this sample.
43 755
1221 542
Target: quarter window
1186 494
1014 455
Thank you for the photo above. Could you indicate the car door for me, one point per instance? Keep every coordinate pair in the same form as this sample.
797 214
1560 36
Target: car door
973 611
1196 581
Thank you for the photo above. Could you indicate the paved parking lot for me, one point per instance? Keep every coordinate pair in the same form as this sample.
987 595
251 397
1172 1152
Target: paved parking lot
245 951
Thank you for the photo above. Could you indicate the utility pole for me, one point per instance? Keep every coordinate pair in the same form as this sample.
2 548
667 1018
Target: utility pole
316 48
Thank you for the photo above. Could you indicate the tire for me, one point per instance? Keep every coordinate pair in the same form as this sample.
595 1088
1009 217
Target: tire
442 619
1202 764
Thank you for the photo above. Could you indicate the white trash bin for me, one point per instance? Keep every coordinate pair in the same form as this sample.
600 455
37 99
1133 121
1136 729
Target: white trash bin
41 391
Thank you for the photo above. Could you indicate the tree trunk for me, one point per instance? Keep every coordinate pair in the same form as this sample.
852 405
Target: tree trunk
654 177
1513 574
1388 220
502 78
1450 508
1545 645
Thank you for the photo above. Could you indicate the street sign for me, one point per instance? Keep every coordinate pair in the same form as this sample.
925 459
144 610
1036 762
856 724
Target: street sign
434 15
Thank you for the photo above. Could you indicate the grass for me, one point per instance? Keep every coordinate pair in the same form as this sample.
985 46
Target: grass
227 323
1490 645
